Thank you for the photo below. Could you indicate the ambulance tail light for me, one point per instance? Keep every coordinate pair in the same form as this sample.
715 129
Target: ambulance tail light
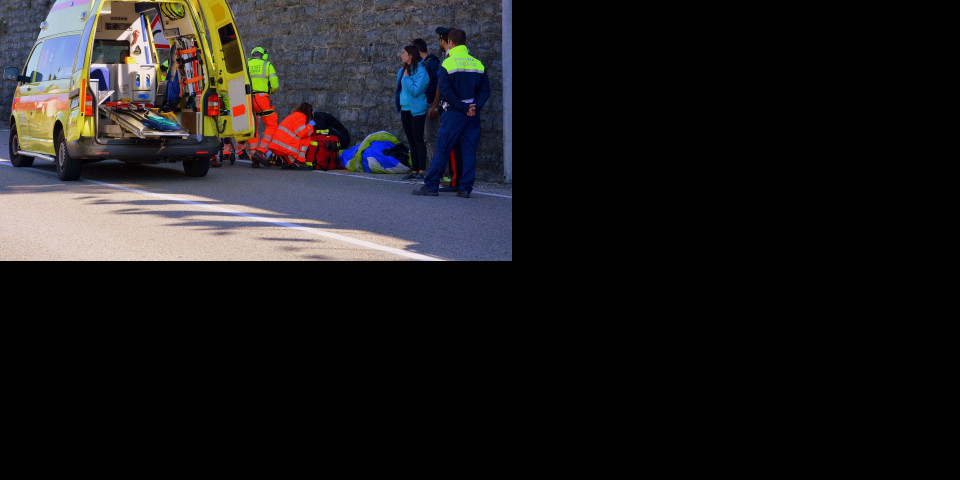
86 98
213 106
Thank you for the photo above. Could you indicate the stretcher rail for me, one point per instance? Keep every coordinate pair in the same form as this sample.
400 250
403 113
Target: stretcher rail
132 122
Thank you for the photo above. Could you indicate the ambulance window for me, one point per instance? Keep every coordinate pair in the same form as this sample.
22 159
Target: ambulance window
82 52
31 70
231 48
109 51
56 60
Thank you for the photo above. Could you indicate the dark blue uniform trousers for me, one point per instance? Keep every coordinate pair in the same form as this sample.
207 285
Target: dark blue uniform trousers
455 127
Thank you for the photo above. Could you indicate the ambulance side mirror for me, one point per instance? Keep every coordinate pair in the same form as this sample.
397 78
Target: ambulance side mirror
11 73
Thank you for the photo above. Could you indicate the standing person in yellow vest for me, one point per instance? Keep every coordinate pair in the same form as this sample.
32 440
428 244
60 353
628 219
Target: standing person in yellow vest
264 83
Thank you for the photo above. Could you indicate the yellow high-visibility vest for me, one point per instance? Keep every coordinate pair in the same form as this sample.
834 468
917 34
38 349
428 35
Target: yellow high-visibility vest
263 76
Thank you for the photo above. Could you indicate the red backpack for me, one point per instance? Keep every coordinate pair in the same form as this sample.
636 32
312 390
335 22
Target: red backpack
324 151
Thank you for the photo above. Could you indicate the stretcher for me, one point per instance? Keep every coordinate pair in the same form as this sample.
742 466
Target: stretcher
142 120
191 70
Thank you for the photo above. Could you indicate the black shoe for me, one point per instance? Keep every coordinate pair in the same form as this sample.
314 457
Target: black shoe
301 166
244 156
449 189
425 191
409 176
463 194
258 158
271 161
256 164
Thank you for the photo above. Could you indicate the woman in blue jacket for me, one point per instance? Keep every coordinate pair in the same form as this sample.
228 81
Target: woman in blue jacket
411 102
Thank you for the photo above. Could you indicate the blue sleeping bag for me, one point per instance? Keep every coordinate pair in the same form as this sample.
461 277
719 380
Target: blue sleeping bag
375 161
368 156
348 154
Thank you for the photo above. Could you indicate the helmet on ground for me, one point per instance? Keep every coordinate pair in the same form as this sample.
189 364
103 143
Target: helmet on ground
172 11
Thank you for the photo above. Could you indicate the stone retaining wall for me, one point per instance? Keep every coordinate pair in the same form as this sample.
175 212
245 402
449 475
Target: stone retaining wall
341 56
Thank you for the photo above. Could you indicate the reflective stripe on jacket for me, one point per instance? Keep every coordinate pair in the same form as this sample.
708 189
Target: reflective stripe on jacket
290 134
263 76
463 80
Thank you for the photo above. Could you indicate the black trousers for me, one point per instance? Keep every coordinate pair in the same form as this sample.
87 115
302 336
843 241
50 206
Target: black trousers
413 128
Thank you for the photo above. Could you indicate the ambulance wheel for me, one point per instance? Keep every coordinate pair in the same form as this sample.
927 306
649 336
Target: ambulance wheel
68 169
196 167
17 160
233 158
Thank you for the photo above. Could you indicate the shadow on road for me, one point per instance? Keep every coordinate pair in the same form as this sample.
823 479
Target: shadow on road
237 197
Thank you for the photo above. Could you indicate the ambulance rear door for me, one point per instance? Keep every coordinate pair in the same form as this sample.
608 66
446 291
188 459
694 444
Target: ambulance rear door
231 78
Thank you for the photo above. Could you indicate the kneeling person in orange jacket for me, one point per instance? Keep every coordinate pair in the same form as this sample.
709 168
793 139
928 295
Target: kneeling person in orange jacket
292 138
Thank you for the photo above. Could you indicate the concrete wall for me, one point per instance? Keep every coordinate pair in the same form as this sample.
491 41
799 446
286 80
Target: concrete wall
342 56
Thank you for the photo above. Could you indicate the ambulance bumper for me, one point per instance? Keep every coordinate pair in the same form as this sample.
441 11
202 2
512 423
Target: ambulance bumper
145 152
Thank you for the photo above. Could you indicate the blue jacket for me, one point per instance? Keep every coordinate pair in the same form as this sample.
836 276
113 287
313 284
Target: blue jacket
463 77
411 91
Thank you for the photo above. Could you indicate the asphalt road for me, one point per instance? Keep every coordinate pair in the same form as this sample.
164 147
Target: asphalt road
155 212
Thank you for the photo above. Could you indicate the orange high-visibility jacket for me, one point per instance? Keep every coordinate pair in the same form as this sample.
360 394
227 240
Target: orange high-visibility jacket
292 136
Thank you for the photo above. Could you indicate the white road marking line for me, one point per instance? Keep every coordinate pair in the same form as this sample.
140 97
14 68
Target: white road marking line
313 231
475 192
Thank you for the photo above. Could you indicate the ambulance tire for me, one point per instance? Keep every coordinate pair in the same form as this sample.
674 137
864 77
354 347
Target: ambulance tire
196 167
17 160
68 169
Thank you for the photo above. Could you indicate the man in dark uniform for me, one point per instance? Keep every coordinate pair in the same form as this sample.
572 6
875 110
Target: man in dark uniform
466 88
454 167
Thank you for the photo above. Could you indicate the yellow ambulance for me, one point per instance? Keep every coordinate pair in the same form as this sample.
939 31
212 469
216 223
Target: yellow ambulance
90 88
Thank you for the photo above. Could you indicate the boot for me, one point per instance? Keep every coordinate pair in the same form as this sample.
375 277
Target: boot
301 166
259 159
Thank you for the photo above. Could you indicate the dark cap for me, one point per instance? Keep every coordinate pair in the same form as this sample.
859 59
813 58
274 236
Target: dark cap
443 30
